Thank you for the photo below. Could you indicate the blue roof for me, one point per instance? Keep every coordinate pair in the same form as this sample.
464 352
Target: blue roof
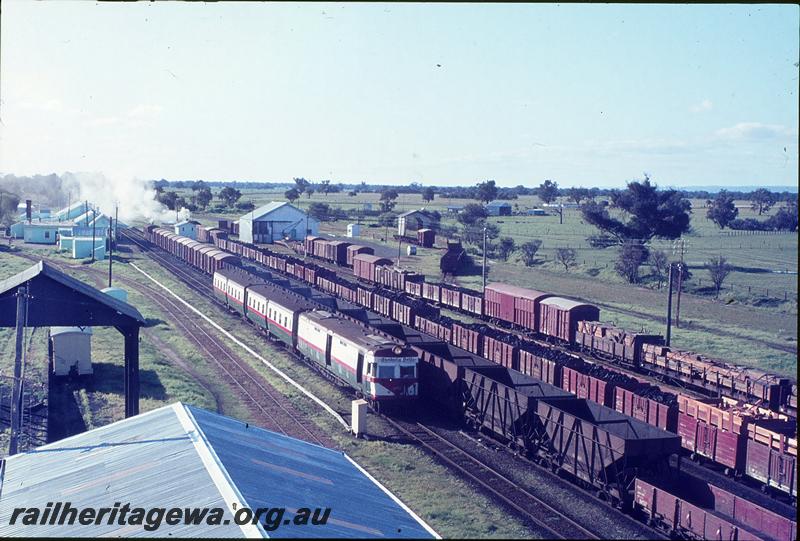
182 456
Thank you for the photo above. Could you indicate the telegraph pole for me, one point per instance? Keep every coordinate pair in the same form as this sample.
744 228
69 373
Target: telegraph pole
484 259
110 249
680 246
94 227
669 304
16 393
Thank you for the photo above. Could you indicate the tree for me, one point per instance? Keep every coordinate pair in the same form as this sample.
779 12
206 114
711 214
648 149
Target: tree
785 219
505 248
388 199
473 234
566 256
198 185
658 265
301 184
310 190
180 203
528 251
547 191
204 197
325 187
168 199
631 255
352 193
718 269
229 195
762 200
319 211
487 191
428 194
578 194
649 212
721 210
472 213
292 195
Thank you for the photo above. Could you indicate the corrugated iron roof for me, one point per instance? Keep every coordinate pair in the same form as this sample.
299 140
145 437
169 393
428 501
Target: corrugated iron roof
260 212
182 456
516 291
56 275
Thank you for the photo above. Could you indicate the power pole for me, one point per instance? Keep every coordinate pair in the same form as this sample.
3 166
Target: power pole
484 259
17 391
94 227
669 304
680 247
110 249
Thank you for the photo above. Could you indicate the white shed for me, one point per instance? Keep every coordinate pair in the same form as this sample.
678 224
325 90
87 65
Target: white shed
353 230
276 221
71 350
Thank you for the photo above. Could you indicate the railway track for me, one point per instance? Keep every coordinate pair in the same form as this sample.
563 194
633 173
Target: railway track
271 409
554 523
464 462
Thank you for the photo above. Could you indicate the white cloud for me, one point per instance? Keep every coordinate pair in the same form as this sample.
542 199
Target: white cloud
752 131
705 105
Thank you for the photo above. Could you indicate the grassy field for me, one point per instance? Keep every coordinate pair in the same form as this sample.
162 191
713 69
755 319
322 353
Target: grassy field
172 369
753 322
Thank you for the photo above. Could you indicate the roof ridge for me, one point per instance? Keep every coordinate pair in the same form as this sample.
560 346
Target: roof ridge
215 468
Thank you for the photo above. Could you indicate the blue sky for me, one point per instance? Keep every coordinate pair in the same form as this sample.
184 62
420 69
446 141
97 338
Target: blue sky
394 93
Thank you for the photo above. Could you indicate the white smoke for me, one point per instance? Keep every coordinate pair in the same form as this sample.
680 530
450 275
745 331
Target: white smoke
135 198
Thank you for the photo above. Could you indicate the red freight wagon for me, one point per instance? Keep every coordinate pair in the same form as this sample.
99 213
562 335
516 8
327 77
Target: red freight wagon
688 505
426 237
772 454
540 368
472 302
467 338
320 247
354 250
499 352
432 292
309 243
382 303
646 409
711 431
513 304
414 288
364 297
451 296
347 292
586 386
336 251
364 266
559 317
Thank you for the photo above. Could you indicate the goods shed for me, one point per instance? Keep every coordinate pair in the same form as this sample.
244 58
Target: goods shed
179 456
79 304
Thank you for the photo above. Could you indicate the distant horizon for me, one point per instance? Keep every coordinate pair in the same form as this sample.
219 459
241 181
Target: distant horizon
436 93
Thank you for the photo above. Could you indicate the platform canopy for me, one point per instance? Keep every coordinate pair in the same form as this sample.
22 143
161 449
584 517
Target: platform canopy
57 299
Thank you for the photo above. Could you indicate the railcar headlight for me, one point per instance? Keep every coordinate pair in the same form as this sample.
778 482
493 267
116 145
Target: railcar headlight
397 350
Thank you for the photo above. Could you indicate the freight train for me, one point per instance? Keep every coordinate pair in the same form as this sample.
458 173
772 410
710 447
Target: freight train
595 446
575 324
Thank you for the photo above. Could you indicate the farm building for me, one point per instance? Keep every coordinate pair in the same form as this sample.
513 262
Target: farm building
187 228
408 223
40 232
276 221
454 209
71 349
535 212
180 456
71 212
498 208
